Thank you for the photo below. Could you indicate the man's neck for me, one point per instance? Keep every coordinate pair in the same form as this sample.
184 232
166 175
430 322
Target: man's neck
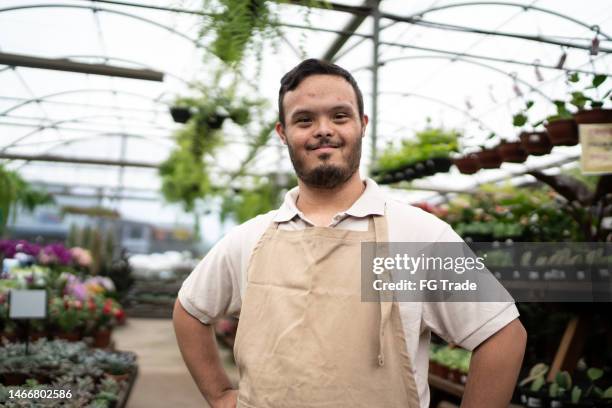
320 204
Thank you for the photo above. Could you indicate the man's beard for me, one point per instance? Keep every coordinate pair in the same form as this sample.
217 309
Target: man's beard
327 175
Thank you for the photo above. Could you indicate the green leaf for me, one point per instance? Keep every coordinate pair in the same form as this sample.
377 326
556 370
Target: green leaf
528 105
576 394
598 80
573 77
537 384
607 393
519 120
594 374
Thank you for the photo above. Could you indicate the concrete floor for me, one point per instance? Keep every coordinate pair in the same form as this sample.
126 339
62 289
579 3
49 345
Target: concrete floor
163 379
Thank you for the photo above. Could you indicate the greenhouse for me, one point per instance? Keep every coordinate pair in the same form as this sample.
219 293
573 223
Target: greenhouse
287 203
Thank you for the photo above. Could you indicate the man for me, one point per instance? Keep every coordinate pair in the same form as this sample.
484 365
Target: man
304 337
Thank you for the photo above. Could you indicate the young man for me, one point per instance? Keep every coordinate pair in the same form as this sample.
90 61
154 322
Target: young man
304 338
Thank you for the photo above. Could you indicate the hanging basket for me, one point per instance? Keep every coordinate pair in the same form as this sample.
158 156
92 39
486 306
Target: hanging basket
512 152
467 164
536 143
180 114
593 116
489 159
562 132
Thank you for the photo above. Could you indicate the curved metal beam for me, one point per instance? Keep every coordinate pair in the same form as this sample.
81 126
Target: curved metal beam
441 102
51 95
96 8
510 4
456 58
52 125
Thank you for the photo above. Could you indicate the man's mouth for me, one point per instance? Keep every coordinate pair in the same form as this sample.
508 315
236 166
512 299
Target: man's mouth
324 146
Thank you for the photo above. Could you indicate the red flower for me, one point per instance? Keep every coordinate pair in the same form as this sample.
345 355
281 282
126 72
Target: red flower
108 308
119 314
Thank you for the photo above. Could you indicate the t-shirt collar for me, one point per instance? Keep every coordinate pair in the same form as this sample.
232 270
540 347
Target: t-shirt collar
371 202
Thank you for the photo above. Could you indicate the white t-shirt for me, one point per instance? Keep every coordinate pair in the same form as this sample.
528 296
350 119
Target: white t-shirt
216 286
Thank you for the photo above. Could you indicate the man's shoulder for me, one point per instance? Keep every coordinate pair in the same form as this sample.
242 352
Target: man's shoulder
410 223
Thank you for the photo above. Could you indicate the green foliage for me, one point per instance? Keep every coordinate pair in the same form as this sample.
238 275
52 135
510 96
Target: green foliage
237 26
576 394
581 100
246 204
185 173
594 374
15 193
520 118
430 143
562 112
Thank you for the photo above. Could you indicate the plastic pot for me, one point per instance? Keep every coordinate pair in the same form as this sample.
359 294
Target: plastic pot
512 152
180 114
536 143
563 132
593 116
489 159
467 164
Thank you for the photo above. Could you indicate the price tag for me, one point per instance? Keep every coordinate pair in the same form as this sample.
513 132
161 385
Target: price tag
28 304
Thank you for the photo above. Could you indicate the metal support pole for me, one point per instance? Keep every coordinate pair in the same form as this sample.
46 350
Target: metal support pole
374 119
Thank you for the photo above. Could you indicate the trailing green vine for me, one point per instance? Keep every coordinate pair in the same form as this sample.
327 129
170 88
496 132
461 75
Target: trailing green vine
16 192
185 173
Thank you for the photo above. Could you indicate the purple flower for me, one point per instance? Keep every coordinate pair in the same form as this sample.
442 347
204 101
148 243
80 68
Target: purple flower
9 248
56 253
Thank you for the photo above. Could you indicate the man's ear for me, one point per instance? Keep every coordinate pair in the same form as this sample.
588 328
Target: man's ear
280 131
364 124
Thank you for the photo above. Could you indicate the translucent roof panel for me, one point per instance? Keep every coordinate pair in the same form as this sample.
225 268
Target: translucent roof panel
462 65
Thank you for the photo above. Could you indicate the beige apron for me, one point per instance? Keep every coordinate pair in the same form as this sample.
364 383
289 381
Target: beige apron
305 338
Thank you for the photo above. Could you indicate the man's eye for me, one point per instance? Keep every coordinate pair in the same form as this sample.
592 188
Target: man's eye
303 120
341 116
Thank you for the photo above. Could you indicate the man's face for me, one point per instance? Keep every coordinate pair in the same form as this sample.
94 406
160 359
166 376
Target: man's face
323 130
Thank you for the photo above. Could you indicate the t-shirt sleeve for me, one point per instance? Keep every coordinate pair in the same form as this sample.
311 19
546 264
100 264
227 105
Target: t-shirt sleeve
212 289
466 324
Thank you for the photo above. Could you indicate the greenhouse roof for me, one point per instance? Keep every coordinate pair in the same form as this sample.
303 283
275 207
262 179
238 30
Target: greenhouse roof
465 65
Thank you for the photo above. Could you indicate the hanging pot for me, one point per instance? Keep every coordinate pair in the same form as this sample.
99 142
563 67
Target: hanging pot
536 143
180 114
489 159
512 152
437 165
597 115
563 132
467 164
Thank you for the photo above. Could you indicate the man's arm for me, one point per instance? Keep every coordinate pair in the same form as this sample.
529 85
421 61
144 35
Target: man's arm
495 367
199 350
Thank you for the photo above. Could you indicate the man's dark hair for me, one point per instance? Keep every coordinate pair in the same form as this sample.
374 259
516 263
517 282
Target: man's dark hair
312 66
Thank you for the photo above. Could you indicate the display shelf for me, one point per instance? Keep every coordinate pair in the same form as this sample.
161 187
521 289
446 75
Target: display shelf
451 388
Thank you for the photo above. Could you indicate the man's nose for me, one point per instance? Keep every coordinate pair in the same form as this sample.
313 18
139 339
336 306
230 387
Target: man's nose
324 128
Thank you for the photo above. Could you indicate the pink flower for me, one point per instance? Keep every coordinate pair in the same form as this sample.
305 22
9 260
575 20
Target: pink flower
81 256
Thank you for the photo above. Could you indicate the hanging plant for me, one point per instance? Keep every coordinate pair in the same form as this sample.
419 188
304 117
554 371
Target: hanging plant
16 192
236 24
239 25
185 174
267 194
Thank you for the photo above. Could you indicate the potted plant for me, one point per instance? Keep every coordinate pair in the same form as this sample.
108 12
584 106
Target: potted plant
562 128
533 396
467 164
534 142
67 316
512 152
559 389
105 314
590 110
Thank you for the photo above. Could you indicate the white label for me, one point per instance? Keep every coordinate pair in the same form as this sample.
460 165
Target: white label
28 304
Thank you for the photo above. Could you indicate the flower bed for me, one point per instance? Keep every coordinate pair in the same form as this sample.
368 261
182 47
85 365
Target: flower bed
95 378
79 305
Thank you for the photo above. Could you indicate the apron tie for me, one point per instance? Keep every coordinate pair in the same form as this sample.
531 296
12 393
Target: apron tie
385 312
